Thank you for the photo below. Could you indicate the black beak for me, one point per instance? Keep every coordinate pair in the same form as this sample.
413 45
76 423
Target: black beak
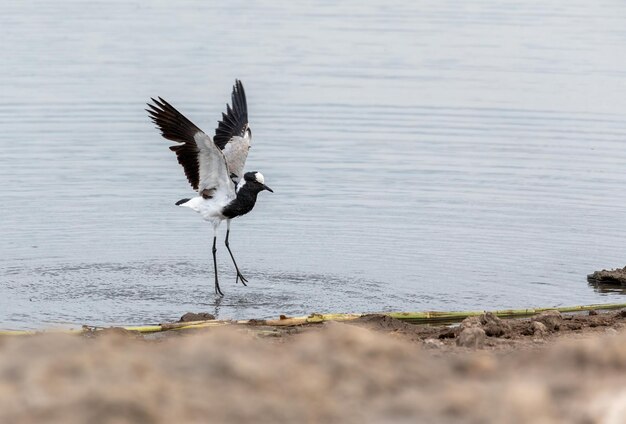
267 188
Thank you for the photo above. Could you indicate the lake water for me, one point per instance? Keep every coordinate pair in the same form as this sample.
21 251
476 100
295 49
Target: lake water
424 155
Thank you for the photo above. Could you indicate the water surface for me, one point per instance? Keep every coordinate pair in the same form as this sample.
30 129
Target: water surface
424 155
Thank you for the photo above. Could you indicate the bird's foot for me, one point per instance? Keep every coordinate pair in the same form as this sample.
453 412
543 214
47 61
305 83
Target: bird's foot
243 279
218 291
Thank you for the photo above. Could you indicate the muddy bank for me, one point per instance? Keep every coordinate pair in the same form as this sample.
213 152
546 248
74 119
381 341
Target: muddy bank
492 333
549 369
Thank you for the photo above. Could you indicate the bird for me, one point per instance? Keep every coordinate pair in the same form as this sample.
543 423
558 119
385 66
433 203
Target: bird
214 166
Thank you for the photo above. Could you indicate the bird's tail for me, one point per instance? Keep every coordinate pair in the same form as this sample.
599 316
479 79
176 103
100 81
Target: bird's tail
195 203
182 201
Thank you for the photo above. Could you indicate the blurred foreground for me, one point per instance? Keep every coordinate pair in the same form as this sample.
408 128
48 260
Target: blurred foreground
566 370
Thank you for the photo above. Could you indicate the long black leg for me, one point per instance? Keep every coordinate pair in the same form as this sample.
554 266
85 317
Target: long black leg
239 276
217 284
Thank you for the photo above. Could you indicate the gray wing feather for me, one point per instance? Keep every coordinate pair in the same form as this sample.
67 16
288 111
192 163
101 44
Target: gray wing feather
213 170
233 134
236 153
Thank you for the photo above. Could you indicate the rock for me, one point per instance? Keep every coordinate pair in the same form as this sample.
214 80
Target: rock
539 329
593 312
621 313
494 326
488 322
470 322
473 337
191 316
551 319
448 333
600 321
433 343
608 277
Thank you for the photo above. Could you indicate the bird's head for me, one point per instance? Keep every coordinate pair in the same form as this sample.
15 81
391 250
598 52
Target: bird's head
256 181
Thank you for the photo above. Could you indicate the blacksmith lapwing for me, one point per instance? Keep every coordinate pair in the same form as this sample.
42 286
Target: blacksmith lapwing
214 167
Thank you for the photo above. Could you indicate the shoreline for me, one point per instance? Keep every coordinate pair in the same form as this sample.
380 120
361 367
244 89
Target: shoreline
551 368
192 320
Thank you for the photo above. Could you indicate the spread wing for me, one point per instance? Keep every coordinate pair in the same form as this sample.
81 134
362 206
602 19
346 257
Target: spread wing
203 162
233 134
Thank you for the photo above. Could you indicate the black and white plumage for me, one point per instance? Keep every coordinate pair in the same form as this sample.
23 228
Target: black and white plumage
214 167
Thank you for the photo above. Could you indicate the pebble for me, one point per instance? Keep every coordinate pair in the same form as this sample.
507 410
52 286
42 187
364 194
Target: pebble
493 325
433 343
473 337
551 319
539 329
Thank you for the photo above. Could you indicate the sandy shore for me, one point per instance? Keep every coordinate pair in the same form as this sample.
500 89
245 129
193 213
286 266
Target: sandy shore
550 369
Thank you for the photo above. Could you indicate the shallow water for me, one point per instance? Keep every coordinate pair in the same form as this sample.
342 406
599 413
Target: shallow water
424 155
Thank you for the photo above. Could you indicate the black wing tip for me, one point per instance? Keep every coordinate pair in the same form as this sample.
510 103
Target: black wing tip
174 126
239 98
161 105
156 102
158 109
234 121
239 87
